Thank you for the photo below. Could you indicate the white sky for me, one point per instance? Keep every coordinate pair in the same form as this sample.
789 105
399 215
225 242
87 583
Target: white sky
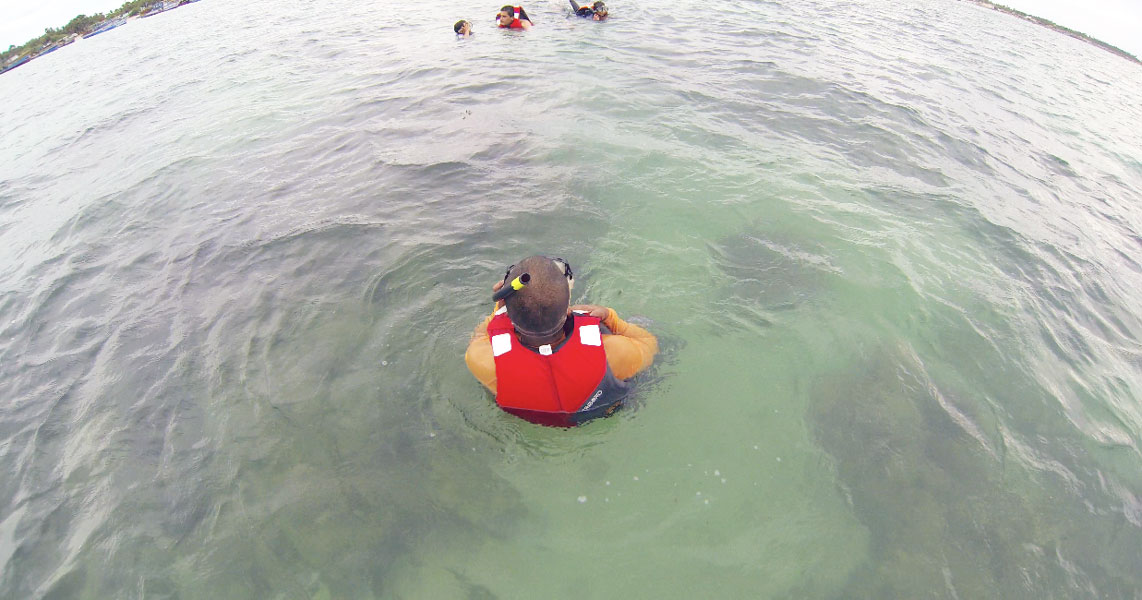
1117 22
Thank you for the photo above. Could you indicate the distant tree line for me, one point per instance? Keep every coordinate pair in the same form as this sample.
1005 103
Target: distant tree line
1059 28
80 25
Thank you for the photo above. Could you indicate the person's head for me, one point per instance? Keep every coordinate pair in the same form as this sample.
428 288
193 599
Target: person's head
539 309
511 13
462 27
600 10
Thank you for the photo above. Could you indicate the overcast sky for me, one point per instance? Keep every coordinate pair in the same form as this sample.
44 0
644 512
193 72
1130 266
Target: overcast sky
1117 22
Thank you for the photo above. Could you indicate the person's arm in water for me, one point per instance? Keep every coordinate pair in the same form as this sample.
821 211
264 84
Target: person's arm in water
581 11
524 20
479 356
629 348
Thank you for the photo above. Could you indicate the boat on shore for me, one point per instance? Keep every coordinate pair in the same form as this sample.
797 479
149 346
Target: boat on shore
57 45
19 61
161 7
104 27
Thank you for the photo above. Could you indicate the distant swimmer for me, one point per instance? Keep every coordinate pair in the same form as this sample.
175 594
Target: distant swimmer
462 28
513 17
595 12
551 363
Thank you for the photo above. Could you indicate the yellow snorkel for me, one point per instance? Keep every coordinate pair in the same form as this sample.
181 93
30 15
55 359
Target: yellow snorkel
514 286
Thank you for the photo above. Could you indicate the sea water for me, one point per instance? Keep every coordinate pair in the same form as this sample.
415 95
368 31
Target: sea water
891 251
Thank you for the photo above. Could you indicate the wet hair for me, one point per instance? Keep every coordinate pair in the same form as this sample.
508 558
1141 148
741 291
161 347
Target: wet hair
541 307
458 25
599 5
507 8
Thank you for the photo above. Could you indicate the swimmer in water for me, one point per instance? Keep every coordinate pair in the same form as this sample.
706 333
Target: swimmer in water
513 17
549 362
595 12
462 28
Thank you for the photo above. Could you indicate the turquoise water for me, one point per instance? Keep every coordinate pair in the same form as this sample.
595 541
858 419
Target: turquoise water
887 247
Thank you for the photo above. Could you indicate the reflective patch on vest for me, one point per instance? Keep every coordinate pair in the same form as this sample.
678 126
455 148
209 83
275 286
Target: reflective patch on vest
501 310
501 343
589 335
545 349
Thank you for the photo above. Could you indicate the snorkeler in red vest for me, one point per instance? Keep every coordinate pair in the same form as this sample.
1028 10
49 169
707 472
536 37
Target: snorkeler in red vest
595 12
551 363
513 17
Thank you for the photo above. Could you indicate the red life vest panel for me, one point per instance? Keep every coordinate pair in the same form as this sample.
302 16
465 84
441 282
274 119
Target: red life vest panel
559 387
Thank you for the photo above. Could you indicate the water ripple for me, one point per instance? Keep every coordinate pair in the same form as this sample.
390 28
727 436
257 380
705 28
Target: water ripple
890 252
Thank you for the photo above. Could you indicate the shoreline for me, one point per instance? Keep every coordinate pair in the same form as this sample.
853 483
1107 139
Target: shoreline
1078 35
83 27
